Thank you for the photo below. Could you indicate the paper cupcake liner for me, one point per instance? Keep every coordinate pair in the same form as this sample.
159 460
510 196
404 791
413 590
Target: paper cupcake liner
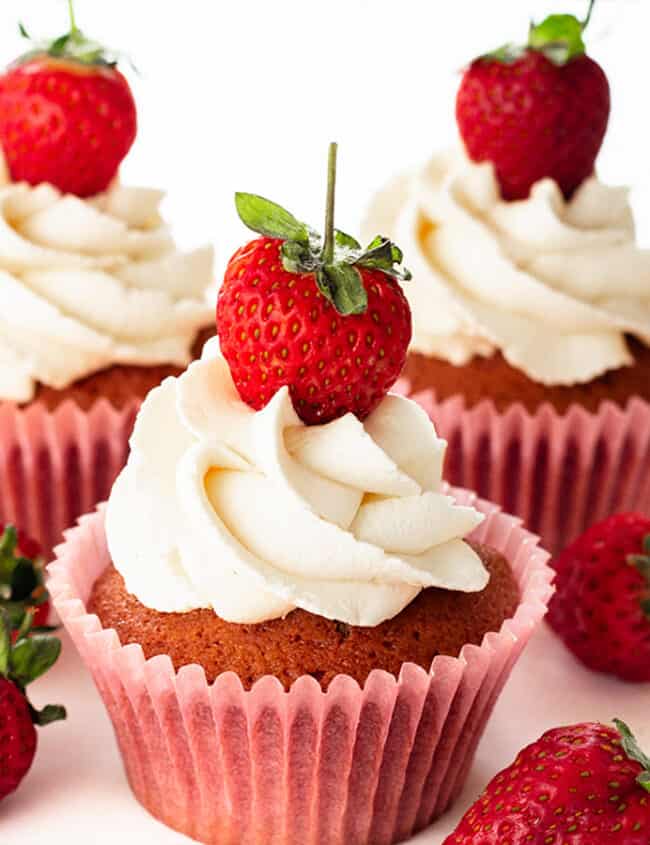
559 472
348 766
57 465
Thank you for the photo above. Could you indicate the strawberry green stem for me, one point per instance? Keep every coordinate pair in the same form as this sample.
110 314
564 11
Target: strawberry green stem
328 248
590 10
73 22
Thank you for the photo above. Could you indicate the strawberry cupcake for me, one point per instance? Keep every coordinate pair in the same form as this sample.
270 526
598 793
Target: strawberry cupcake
530 297
292 636
98 304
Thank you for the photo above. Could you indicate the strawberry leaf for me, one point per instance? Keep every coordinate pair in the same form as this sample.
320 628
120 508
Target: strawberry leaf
50 713
559 37
345 242
5 642
342 285
269 219
31 658
634 752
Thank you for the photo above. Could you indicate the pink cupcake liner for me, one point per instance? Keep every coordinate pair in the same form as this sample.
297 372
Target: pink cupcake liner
348 766
559 472
57 465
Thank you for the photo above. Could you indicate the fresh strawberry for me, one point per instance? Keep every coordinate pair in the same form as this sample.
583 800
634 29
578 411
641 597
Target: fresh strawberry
21 577
536 112
582 785
20 664
601 608
324 317
67 115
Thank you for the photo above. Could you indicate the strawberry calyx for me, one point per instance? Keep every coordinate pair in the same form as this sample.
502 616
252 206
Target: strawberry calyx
558 37
73 45
334 260
634 752
641 562
25 659
21 579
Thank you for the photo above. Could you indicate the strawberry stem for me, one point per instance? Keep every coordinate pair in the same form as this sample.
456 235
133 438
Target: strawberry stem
585 24
73 22
328 248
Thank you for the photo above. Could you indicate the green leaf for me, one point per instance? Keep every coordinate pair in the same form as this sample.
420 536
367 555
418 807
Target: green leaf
5 642
32 657
345 241
50 713
507 54
23 31
559 37
342 285
384 255
269 219
297 257
634 752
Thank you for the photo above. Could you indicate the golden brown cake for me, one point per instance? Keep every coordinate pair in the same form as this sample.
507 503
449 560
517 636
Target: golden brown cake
494 378
436 622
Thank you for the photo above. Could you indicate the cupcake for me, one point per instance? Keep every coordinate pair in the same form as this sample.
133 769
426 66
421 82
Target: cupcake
99 305
530 296
291 635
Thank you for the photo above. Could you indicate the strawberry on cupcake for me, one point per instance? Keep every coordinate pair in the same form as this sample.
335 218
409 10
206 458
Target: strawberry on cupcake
98 303
530 297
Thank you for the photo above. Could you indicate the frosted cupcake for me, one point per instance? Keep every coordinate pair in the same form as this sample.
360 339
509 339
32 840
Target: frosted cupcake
531 311
292 636
98 303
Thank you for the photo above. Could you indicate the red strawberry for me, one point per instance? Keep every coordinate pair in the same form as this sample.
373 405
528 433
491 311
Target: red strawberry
21 578
582 785
326 318
601 608
67 115
20 664
536 112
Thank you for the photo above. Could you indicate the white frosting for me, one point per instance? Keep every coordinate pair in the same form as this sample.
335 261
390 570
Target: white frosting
89 283
254 514
553 285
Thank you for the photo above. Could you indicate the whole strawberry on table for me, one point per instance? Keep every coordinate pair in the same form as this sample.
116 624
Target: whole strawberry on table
586 784
24 657
67 114
319 314
538 110
601 608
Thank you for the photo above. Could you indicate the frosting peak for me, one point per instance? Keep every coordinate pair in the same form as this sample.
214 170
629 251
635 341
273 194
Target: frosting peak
255 514
554 285
89 283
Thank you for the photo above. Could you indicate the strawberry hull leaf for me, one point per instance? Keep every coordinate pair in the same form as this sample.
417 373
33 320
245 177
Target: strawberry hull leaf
342 285
269 219
50 713
634 752
31 658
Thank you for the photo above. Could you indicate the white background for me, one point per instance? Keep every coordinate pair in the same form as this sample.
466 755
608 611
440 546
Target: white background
241 95
245 94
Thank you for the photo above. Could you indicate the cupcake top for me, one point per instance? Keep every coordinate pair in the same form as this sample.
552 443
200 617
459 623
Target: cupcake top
253 513
88 283
555 285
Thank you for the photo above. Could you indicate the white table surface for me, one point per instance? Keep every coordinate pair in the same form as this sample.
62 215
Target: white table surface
76 791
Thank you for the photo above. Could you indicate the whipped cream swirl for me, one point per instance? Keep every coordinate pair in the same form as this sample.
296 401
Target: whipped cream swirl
554 285
253 514
85 284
